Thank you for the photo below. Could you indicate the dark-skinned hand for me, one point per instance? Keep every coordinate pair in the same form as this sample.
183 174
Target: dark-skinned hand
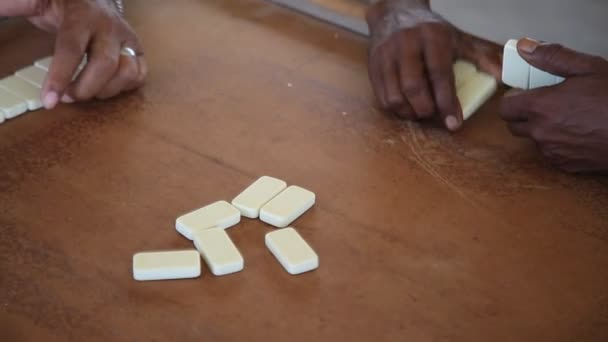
411 59
91 27
569 121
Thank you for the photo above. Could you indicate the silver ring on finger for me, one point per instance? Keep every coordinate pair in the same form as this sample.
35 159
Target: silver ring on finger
127 51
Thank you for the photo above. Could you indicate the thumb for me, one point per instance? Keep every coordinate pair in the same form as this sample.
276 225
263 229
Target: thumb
556 59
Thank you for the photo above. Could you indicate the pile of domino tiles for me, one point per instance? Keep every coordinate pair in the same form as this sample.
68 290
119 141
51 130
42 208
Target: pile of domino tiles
268 199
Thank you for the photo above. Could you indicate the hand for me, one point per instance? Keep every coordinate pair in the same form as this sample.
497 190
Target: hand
569 121
411 56
95 28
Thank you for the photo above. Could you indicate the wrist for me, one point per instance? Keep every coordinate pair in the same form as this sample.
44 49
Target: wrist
381 8
118 4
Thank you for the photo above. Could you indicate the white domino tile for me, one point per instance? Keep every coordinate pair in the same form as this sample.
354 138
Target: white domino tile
10 105
45 63
517 73
463 70
290 249
252 199
475 92
218 251
287 206
540 78
217 215
33 75
515 70
24 90
166 265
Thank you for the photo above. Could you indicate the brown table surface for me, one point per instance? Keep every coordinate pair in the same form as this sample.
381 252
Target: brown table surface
422 235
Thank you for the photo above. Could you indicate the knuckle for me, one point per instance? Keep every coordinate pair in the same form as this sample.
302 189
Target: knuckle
408 33
552 52
434 30
393 102
108 60
104 64
388 51
142 75
384 104
439 73
72 46
538 134
546 152
82 96
551 152
131 73
425 107
513 129
413 87
140 80
408 40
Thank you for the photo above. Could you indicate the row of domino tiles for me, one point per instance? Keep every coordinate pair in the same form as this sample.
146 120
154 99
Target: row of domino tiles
268 199
518 73
22 91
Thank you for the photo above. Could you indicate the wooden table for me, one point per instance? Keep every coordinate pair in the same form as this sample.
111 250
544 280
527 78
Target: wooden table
422 235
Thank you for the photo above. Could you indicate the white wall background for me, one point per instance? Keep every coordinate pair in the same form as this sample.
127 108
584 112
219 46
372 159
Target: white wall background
580 24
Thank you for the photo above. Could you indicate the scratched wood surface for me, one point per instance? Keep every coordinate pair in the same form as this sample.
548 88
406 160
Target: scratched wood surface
422 235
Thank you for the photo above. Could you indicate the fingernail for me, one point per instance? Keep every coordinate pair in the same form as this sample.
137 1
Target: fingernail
50 100
528 45
67 99
452 123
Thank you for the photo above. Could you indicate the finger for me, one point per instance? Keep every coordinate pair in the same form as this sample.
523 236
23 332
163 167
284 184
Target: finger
439 61
142 65
412 76
142 73
375 77
70 48
394 98
406 111
556 59
486 55
514 106
101 66
520 128
523 105
124 79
